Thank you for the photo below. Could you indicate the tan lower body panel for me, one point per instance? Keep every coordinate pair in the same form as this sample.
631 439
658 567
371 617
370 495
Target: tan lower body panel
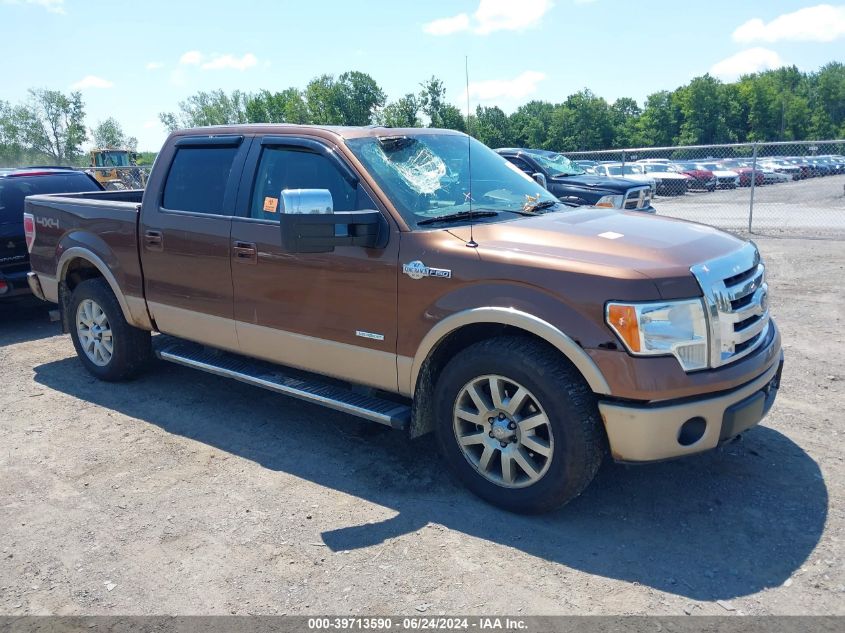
642 434
339 360
330 358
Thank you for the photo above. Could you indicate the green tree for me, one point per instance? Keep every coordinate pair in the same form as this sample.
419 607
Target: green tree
702 107
490 126
624 119
287 106
52 124
208 108
360 98
402 113
323 97
109 134
659 124
529 125
582 122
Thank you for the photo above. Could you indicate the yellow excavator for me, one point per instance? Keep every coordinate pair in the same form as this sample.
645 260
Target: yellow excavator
117 169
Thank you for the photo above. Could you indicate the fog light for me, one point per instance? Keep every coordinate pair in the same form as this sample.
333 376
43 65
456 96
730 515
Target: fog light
691 431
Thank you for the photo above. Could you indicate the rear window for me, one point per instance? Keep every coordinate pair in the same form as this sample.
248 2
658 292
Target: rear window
14 189
197 179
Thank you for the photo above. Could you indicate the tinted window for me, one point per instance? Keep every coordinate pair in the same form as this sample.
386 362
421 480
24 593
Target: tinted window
197 179
523 166
286 168
13 190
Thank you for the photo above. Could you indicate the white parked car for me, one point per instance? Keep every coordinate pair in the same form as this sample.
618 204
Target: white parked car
629 171
725 178
670 181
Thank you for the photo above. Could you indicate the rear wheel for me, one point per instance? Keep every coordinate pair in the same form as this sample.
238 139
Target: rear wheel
517 424
107 345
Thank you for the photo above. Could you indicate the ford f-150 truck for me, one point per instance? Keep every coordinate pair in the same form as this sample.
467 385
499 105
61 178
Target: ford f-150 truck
413 278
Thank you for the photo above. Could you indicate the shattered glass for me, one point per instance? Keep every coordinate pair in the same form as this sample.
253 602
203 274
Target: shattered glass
418 166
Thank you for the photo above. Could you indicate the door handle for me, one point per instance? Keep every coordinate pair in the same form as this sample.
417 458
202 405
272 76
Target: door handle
153 240
245 252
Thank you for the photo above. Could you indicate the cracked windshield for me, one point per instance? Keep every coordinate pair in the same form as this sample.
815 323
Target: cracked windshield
427 177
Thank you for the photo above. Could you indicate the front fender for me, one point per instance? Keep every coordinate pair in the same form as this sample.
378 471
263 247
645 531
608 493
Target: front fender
514 318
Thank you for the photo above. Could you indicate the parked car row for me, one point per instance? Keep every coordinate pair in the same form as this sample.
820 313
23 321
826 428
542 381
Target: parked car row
676 177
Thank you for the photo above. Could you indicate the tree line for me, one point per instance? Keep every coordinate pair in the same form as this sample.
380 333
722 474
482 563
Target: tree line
782 104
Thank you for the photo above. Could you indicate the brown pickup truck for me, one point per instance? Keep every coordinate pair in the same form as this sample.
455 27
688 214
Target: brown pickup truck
414 278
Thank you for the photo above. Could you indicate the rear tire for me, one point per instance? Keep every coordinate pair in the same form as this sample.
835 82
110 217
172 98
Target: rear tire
109 348
546 424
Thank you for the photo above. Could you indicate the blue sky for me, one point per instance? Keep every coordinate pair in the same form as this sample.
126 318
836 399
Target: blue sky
133 60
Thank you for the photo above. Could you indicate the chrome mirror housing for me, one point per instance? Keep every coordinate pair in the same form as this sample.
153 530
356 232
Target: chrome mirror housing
306 201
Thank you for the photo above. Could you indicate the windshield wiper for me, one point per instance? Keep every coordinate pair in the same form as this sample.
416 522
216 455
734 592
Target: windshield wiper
539 206
456 217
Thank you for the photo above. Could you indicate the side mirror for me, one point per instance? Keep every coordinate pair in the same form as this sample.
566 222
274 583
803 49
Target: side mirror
310 224
540 179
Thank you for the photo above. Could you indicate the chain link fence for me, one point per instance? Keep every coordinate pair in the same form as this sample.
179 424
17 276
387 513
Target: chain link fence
116 178
786 188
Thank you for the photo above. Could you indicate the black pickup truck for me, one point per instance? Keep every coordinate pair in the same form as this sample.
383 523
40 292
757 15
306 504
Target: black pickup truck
571 184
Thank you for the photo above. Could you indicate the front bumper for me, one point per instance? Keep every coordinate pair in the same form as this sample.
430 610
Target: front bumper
644 433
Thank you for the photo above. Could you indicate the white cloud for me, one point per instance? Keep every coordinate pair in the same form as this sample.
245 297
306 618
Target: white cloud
745 62
230 62
516 88
154 65
91 81
53 6
191 58
492 16
152 124
822 23
447 26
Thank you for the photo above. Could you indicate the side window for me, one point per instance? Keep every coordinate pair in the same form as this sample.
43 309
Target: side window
288 168
197 179
523 166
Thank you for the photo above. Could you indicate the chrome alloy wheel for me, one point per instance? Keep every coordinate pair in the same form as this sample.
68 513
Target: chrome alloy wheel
502 431
94 332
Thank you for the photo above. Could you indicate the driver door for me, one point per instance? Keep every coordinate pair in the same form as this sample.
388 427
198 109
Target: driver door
331 313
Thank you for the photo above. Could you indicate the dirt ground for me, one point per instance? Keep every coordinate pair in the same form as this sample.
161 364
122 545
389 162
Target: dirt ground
184 493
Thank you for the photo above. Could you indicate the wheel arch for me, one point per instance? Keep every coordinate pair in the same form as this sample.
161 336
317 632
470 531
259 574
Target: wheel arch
464 328
77 264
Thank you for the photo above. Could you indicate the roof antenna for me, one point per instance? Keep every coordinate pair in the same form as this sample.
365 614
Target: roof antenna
472 243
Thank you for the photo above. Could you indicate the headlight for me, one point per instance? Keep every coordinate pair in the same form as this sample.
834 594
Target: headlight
662 328
610 202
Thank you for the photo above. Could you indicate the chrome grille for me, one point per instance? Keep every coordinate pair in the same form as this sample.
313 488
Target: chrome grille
736 295
637 199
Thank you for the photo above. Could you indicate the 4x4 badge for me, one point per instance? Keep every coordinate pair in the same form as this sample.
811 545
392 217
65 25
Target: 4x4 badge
418 270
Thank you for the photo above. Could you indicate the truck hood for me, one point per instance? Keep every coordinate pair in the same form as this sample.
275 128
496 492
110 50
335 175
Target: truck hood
607 243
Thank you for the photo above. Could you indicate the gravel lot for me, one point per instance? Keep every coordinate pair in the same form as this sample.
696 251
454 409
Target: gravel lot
804 207
184 493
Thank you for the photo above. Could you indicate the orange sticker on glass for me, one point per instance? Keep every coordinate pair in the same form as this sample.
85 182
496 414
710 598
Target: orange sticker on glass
271 204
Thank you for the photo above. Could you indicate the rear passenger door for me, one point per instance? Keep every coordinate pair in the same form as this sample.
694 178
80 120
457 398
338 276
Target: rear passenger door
332 313
184 240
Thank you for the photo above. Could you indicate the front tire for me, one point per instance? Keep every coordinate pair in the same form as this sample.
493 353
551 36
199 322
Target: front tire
518 425
108 347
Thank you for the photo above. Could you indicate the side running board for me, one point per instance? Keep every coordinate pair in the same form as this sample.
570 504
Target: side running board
282 380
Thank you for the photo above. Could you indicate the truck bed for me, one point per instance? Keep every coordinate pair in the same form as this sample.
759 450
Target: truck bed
102 222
